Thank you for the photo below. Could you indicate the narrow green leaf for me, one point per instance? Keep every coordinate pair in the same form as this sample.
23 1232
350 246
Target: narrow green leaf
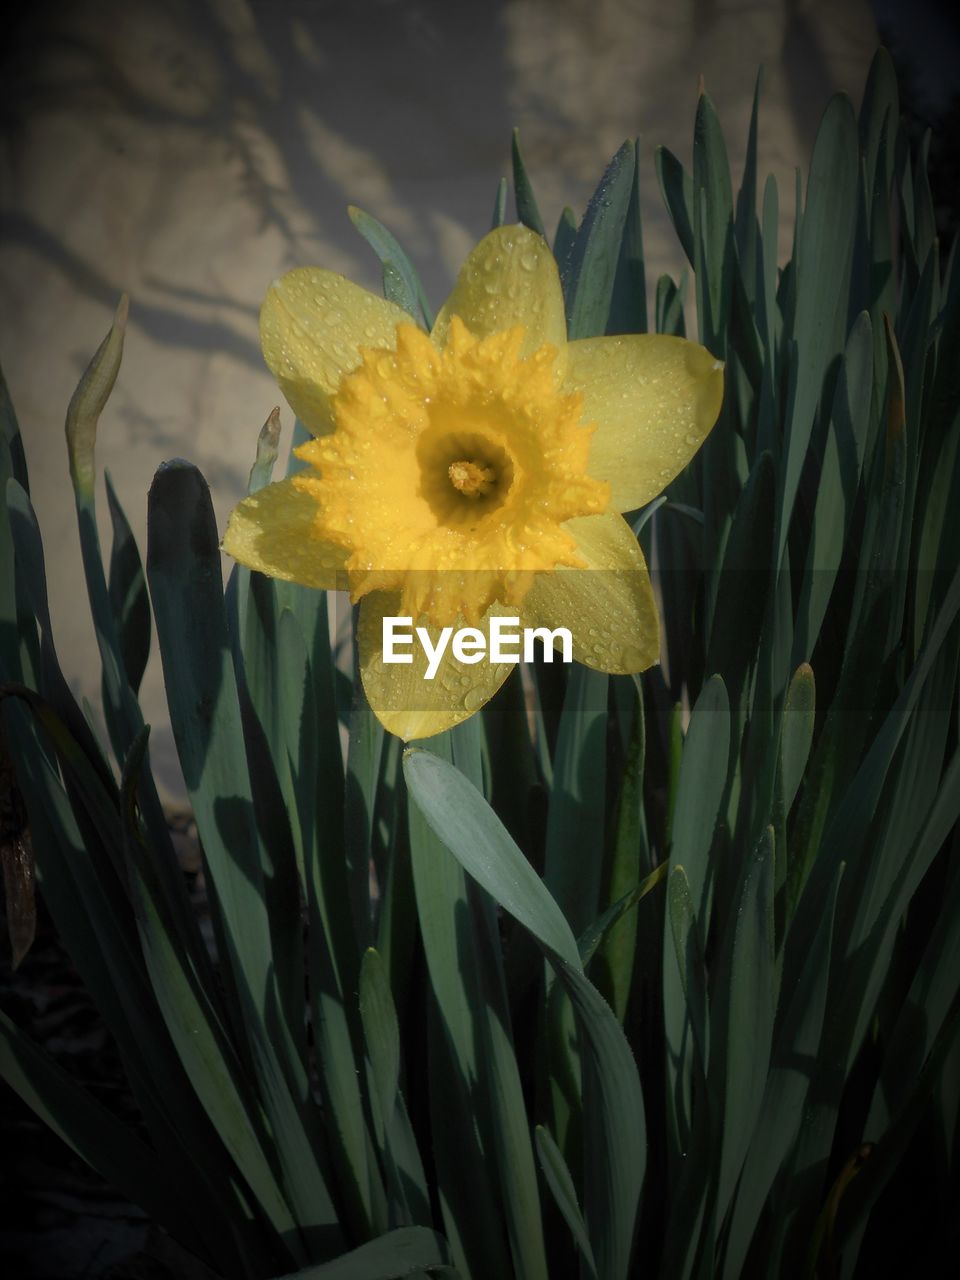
823 257
916 783
380 1029
465 1161
387 248
688 950
89 400
796 733
504 1125
628 304
268 442
768 318
593 937
614 1129
18 869
128 593
561 1186
564 239
398 1253
576 817
932 991
676 186
260 687
404 1169
499 206
31 575
879 116
509 1121
751 1003
631 857
669 307
183 569
202 1043
791 1076
311 744
121 712
364 755
527 210
703 776
99 933
746 211
744 580
846 831
492 859
10 431
596 251
396 288
15 630
712 227
838 487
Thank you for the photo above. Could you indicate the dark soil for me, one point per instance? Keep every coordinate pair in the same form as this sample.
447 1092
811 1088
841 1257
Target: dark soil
59 1220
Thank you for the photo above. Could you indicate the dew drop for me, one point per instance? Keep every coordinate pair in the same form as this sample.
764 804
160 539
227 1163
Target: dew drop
474 699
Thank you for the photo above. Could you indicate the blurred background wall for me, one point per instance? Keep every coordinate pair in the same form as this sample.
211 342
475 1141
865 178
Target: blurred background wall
188 151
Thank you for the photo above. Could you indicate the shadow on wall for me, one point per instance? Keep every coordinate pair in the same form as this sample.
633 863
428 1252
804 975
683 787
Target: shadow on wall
304 104
298 106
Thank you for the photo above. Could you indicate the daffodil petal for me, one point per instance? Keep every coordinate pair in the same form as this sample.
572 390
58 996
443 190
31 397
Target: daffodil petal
274 532
404 702
654 399
509 279
608 607
312 326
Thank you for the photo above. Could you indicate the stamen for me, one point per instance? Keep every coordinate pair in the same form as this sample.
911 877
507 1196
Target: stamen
471 478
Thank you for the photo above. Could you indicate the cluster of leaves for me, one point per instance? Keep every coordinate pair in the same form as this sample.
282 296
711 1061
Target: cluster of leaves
637 988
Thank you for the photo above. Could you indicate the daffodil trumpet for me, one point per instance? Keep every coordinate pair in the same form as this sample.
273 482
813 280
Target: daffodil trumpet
472 473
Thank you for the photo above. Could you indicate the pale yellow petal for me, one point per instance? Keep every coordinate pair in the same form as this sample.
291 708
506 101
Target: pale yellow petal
312 326
654 399
273 531
407 704
509 279
608 607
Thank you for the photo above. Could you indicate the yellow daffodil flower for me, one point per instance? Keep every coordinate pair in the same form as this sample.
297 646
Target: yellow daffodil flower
476 470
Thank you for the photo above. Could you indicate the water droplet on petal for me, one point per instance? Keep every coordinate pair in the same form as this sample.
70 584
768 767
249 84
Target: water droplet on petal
474 699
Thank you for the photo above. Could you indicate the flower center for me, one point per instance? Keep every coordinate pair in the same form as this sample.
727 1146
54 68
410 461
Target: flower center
452 472
472 479
464 475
